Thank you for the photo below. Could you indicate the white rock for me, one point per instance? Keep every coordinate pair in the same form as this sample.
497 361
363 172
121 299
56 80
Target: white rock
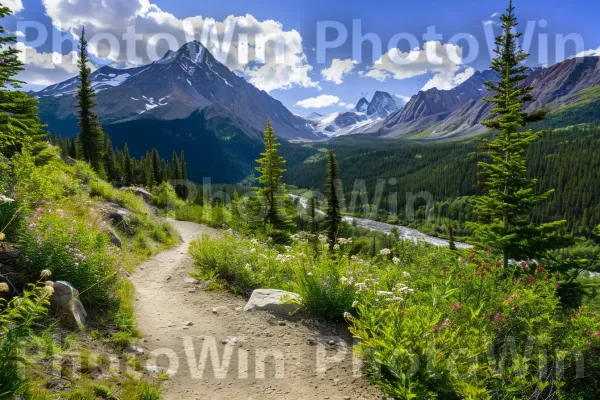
272 300
66 305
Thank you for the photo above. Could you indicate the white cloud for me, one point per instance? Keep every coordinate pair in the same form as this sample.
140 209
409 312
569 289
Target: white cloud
19 34
589 53
346 105
14 5
403 99
495 15
448 80
322 101
114 17
490 23
444 61
338 69
43 69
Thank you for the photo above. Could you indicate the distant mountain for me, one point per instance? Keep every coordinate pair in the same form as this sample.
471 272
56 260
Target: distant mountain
365 115
362 106
381 105
459 112
173 87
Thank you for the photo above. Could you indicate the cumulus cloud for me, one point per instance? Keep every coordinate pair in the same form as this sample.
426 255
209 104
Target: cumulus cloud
275 58
346 105
14 5
403 99
589 53
444 61
43 69
338 69
322 101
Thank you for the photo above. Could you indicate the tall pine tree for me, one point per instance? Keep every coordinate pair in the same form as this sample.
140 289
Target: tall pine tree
91 136
333 217
504 211
128 174
20 127
271 174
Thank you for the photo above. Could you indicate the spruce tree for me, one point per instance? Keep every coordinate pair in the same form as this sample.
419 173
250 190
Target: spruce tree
175 167
20 127
128 175
183 166
504 211
156 170
110 166
91 135
271 174
451 240
333 218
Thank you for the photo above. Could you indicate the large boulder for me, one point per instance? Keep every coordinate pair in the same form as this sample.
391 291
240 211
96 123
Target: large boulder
274 301
65 304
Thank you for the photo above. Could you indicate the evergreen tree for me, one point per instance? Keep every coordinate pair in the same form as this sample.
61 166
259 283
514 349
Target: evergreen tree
175 167
91 135
451 240
110 165
156 170
183 166
271 173
504 211
333 218
149 178
128 175
20 127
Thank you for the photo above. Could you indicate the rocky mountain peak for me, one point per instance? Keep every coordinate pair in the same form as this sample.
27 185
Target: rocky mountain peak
381 105
362 105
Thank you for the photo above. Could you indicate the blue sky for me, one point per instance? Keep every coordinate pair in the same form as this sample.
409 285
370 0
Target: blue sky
297 22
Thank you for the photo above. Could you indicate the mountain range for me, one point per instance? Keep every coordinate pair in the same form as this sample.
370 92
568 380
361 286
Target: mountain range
190 100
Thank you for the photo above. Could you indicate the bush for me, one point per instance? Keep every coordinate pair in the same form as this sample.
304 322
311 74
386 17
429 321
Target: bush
122 197
18 320
164 196
74 245
473 330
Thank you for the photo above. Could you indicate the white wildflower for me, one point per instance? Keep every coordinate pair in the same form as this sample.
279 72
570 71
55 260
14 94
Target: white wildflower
253 250
384 293
354 303
4 287
406 274
385 252
45 274
347 315
396 260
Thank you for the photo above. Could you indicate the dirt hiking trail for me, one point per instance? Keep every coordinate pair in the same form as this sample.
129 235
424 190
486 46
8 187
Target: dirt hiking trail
212 349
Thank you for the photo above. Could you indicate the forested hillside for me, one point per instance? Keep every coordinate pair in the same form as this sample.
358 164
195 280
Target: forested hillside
564 159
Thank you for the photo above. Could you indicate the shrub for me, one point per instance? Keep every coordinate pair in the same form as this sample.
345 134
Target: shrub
122 197
18 320
73 245
164 196
473 330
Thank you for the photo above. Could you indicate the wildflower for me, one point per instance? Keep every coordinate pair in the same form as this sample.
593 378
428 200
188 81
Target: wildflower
347 315
2 236
396 260
3 287
343 241
497 317
344 280
456 306
45 274
111 296
384 293
336 247
385 252
354 303
447 323
540 269
594 314
48 291
252 250
248 266
406 274
310 274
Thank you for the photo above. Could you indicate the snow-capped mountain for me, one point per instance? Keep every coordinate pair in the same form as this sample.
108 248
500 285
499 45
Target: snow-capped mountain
173 87
365 115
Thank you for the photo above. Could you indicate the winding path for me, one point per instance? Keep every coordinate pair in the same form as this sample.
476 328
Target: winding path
246 356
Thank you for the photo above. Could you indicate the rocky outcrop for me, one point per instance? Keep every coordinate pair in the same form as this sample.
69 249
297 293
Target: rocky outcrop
65 304
274 301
